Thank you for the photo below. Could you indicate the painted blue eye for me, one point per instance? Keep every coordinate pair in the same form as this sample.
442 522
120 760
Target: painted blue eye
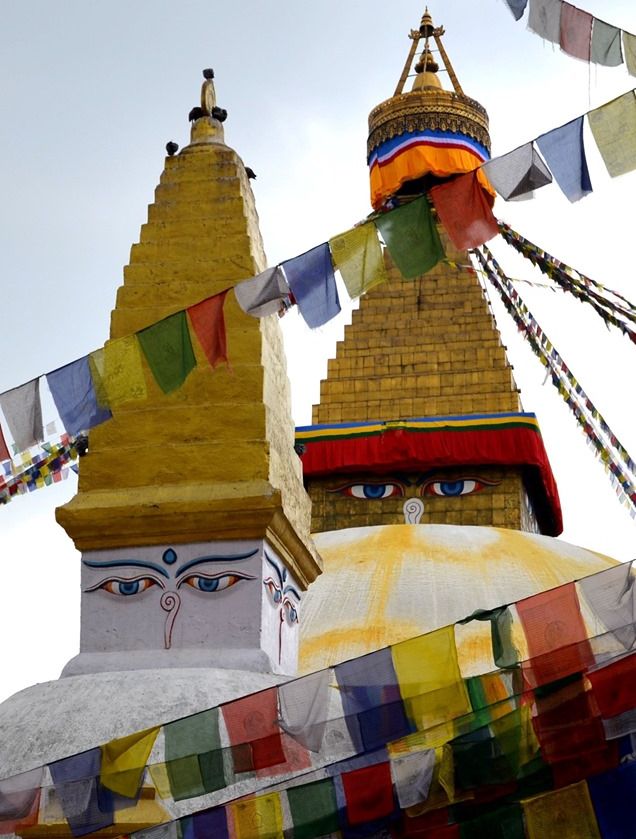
206 585
125 588
453 488
209 585
129 588
372 491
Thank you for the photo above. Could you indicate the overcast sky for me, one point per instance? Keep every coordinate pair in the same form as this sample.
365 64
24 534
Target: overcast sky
92 91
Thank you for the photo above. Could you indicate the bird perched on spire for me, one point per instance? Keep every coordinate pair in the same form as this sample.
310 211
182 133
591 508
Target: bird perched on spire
219 113
172 148
196 113
208 73
251 174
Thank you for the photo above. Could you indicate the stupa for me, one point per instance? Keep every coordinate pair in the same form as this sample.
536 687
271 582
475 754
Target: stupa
430 490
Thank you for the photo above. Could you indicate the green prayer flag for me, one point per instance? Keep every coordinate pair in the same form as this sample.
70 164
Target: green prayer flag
314 809
504 652
411 236
168 350
194 758
502 823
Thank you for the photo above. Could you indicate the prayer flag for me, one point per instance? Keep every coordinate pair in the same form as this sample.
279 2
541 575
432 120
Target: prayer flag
124 761
18 795
371 699
210 824
606 44
613 794
256 818
464 211
168 350
429 678
517 173
517 7
629 50
412 776
264 294
252 721
564 153
208 323
76 784
556 635
117 372
170 830
502 823
368 793
194 759
545 19
614 130
612 596
566 813
314 809
304 708
74 395
312 282
4 451
576 31
358 256
23 412
411 237
614 686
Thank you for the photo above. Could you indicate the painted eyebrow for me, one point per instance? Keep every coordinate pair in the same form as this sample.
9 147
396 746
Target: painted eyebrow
276 568
137 563
291 590
202 559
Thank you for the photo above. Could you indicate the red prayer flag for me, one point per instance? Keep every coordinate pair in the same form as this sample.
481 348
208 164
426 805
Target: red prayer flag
369 793
253 720
614 686
464 210
208 323
556 635
566 725
4 451
576 31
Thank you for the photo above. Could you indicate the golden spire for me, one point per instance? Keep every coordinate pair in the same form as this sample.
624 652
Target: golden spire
427 68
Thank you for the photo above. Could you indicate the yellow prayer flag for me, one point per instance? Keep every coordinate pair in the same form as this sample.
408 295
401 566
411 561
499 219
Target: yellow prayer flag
567 813
614 130
159 775
429 678
124 761
260 817
117 372
358 256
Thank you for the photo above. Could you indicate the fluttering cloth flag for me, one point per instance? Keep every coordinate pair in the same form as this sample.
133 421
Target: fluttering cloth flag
576 31
304 708
74 395
517 7
23 412
124 761
412 776
252 726
614 686
517 173
18 797
358 256
614 129
208 322
265 294
168 350
411 236
613 794
4 451
117 372
76 784
209 823
194 759
564 153
566 813
629 50
612 597
313 284
257 818
368 793
314 809
545 19
464 211
606 44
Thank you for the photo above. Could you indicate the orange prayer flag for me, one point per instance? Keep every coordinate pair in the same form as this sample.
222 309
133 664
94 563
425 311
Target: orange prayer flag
208 323
464 210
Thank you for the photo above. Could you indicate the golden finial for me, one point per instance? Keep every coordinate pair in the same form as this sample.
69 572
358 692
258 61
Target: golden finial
208 93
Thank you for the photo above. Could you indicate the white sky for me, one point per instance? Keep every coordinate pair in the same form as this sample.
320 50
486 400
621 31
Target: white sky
92 91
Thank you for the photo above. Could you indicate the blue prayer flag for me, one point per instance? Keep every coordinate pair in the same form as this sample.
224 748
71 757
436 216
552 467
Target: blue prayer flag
206 824
564 153
612 795
76 780
313 284
517 7
74 396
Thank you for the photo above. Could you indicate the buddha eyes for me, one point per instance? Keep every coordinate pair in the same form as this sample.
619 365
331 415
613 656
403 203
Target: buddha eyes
451 488
211 584
126 588
372 491
208 584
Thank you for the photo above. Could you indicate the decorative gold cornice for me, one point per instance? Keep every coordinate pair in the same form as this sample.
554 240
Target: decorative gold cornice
438 110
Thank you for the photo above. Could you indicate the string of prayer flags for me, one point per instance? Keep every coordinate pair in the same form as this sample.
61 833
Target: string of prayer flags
208 322
411 237
76 785
564 153
518 173
194 759
263 294
464 211
613 126
74 395
168 350
117 372
124 761
576 32
606 44
313 284
358 257
23 412
544 19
